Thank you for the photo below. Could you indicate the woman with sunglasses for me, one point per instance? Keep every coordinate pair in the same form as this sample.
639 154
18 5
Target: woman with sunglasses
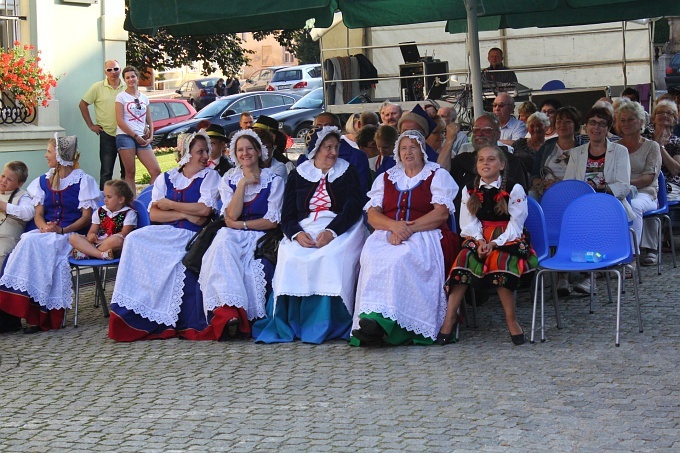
135 129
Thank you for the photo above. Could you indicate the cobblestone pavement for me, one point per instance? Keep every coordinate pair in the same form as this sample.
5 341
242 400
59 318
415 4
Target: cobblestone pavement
76 390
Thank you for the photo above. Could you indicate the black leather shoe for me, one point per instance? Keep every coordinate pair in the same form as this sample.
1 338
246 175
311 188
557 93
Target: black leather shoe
446 338
518 339
369 331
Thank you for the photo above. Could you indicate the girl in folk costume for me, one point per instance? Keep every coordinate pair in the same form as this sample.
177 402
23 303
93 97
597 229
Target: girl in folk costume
495 249
155 295
36 282
234 283
110 224
16 207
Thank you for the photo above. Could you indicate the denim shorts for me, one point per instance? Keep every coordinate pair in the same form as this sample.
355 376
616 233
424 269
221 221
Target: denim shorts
124 141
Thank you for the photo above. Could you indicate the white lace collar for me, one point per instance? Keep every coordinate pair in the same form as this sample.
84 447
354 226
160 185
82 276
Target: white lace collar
179 181
312 174
74 178
266 176
351 143
494 185
113 214
398 176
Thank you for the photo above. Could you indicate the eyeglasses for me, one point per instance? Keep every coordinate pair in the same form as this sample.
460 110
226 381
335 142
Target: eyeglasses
665 113
137 104
501 105
564 122
483 130
112 69
601 124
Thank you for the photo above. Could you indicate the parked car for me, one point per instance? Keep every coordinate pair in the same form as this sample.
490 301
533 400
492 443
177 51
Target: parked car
673 72
199 92
226 112
299 118
170 111
259 80
304 77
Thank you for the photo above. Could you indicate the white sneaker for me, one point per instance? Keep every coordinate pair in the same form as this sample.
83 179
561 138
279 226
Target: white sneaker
650 259
583 287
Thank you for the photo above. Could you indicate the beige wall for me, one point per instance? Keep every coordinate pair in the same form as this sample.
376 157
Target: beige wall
268 52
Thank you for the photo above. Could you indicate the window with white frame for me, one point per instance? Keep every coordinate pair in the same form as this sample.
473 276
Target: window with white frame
9 23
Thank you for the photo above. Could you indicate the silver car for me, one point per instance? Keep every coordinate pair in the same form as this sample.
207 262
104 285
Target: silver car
305 78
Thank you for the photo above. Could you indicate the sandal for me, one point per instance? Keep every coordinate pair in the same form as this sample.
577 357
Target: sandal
78 255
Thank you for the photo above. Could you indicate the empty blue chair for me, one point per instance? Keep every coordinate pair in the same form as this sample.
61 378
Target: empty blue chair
660 215
556 199
606 233
145 195
553 85
101 265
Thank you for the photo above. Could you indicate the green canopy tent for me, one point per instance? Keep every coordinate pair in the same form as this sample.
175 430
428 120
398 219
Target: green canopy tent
184 17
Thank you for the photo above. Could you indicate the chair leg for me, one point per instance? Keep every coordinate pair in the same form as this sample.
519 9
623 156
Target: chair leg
592 291
539 283
75 309
618 305
637 300
667 218
553 282
609 286
659 231
100 291
636 254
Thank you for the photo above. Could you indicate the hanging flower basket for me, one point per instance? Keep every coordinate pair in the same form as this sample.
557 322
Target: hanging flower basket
23 80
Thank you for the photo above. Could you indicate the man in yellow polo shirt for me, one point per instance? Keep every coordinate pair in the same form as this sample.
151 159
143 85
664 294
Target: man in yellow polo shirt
103 96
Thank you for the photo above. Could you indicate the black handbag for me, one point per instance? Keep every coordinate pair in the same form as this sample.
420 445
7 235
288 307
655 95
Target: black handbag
199 243
268 245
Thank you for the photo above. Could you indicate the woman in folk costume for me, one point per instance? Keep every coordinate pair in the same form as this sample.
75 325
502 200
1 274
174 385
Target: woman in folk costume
495 252
36 282
318 262
233 281
155 295
400 295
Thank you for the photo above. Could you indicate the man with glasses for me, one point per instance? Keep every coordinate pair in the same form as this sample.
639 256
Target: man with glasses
511 128
103 96
486 131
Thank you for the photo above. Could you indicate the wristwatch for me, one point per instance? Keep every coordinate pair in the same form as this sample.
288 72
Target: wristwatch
245 227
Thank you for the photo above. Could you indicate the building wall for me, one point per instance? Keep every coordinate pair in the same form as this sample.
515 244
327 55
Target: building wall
74 40
268 52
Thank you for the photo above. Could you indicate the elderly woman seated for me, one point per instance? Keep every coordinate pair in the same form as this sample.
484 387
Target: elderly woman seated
400 296
315 279
645 164
526 148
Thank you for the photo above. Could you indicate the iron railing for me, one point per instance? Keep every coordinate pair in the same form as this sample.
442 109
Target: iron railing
13 113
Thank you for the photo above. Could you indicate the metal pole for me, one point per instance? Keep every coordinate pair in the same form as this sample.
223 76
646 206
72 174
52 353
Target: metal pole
475 69
625 68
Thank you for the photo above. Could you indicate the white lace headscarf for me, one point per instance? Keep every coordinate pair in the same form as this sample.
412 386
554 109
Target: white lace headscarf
183 149
264 154
417 136
66 149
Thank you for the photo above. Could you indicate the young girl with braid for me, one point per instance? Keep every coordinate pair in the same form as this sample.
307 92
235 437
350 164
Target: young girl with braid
495 251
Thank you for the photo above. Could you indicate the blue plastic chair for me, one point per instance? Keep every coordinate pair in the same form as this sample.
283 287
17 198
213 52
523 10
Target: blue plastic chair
660 215
553 85
145 195
606 233
536 226
99 268
555 201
